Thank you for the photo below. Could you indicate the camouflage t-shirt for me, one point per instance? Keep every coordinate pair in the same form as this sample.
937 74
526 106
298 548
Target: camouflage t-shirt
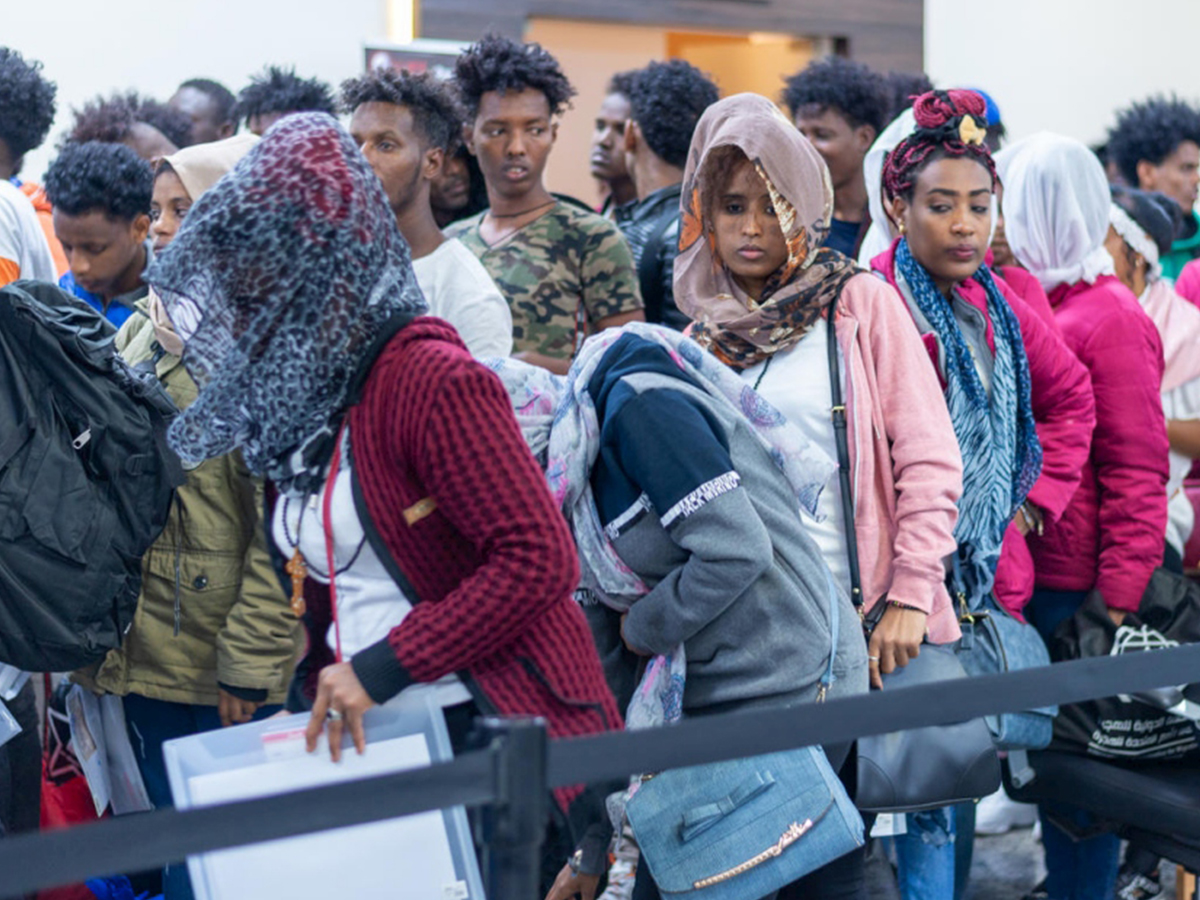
561 274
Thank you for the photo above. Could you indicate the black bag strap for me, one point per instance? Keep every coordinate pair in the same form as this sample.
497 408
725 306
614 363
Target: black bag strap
648 269
838 414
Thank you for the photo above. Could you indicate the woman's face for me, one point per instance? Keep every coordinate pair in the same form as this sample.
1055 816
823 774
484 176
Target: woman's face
168 206
948 220
749 240
1128 264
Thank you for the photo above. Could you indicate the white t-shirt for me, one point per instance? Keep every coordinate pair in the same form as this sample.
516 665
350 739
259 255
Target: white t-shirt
21 238
369 602
797 384
459 290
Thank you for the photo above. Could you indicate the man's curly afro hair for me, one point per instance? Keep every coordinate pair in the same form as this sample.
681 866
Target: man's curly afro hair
667 100
857 92
100 176
109 120
431 101
501 64
622 83
26 103
1151 130
279 90
903 88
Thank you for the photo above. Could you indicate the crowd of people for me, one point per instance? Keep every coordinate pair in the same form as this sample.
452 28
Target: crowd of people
446 430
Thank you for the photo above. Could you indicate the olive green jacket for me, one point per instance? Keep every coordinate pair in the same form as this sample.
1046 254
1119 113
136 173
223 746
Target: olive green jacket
212 608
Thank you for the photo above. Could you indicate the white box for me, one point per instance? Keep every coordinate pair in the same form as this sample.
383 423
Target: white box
426 856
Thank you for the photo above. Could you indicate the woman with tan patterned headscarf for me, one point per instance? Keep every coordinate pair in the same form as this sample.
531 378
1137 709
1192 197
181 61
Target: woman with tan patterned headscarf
752 272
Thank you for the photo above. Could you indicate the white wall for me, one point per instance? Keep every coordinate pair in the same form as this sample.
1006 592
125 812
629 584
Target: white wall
91 47
1064 65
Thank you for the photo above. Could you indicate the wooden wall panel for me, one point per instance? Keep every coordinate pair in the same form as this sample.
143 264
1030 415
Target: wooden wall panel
886 34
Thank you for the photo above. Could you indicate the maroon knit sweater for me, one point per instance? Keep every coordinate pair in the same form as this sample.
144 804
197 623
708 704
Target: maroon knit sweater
451 491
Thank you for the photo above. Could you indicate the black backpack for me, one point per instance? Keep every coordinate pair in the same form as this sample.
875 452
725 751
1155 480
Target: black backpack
86 480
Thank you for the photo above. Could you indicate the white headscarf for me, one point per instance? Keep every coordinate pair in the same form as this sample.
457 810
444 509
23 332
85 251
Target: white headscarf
879 236
1056 209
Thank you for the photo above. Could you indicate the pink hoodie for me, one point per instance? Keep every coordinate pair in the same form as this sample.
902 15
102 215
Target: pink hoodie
907 471
1061 394
1111 535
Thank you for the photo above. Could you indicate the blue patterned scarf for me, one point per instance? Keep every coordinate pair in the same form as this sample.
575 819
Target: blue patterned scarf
1002 457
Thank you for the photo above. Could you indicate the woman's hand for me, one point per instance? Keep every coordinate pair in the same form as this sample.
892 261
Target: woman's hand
896 640
234 710
569 885
341 702
1028 519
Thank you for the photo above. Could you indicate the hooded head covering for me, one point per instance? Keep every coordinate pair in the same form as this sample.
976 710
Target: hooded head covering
199 167
284 281
878 238
737 329
1056 207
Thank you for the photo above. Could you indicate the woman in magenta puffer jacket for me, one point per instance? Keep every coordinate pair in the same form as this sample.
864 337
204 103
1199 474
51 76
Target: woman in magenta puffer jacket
1110 538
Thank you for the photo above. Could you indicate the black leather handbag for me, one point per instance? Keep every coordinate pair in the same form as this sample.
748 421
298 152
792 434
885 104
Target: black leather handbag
924 768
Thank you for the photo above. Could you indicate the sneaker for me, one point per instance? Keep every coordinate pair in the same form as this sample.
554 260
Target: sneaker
1038 893
996 814
1135 886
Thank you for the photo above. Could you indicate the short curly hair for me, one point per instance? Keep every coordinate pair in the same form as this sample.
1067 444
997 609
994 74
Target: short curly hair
109 120
667 100
501 64
26 103
854 90
622 83
431 101
1151 130
279 90
100 176
903 88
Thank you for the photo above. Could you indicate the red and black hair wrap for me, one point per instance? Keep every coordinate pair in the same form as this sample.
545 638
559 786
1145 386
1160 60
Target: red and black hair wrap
940 132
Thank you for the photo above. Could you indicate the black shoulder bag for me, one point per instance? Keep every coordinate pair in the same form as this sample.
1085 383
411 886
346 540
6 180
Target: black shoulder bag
924 768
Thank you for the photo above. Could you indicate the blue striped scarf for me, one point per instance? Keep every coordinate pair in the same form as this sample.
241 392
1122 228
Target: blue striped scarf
1002 457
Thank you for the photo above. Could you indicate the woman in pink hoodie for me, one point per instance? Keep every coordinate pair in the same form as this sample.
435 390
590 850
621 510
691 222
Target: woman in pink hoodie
1110 537
1009 381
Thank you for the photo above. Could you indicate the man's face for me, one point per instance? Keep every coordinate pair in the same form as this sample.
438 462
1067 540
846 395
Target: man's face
385 134
1177 176
450 191
511 137
202 110
841 144
608 139
100 250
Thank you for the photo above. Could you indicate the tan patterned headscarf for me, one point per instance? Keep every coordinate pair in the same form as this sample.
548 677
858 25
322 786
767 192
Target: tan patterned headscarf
737 329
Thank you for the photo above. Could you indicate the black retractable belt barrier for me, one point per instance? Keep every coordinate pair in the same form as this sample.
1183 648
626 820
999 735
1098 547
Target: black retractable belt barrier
513 826
133 843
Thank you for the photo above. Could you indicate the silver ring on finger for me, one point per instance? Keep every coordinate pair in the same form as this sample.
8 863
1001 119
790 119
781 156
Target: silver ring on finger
334 715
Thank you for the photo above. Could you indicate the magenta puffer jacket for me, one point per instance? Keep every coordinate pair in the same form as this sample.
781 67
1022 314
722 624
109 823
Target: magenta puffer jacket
1111 535
1061 395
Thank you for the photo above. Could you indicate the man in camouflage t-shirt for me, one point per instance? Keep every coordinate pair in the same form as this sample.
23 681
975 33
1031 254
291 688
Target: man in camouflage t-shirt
565 275
566 272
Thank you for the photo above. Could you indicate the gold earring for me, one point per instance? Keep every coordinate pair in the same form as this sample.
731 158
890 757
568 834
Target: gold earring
902 229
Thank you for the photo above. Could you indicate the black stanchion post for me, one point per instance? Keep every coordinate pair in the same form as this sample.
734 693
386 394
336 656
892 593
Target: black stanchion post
513 828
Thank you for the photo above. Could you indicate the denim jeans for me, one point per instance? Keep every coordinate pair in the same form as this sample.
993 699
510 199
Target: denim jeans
151 723
925 855
1078 868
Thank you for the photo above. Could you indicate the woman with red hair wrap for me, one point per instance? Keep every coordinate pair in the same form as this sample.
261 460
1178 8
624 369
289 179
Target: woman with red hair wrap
1019 401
